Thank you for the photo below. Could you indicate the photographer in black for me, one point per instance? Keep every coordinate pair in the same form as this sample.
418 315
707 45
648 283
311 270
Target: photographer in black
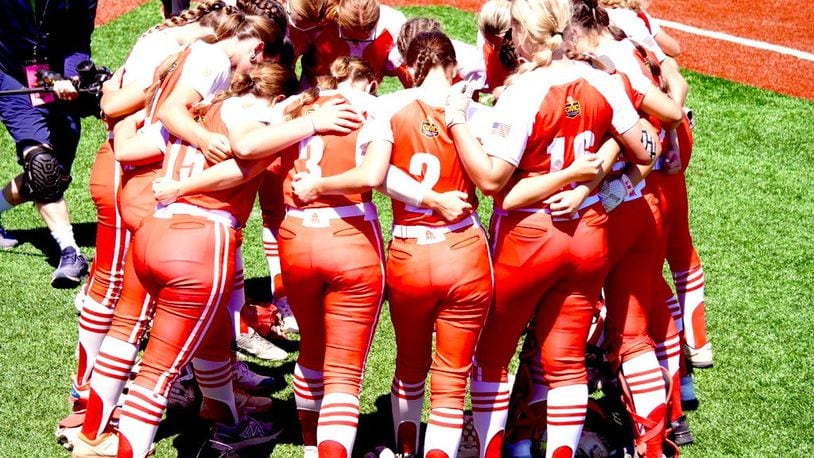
37 37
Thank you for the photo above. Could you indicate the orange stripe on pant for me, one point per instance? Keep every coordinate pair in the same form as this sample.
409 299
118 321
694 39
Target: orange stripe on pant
111 236
446 287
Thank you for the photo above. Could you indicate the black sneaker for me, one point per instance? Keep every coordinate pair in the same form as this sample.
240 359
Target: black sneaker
72 267
680 432
7 240
250 432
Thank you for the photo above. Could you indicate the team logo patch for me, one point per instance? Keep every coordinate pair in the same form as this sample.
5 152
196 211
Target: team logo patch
429 129
572 108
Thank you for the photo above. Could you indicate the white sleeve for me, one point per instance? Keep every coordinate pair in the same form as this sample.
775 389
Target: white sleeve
626 63
206 70
147 55
401 186
655 28
377 126
624 115
157 134
470 64
391 20
513 120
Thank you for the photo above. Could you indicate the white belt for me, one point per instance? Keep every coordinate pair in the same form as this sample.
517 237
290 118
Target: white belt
179 208
432 234
590 200
321 217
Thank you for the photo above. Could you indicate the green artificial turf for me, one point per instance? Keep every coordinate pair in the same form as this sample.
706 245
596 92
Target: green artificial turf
751 217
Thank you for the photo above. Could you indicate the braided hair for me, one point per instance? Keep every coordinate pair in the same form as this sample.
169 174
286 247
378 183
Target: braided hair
427 50
541 24
195 14
271 9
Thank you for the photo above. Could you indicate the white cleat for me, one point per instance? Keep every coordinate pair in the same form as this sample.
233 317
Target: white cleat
256 345
700 358
287 315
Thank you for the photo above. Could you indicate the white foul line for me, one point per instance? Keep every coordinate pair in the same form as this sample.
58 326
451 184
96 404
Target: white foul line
735 39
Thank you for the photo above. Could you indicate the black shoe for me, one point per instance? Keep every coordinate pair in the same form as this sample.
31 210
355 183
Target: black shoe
72 267
680 432
231 439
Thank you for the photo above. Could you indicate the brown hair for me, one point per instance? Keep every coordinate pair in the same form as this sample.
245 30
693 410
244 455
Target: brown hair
412 28
588 15
357 14
271 9
265 80
197 13
238 25
635 5
347 68
427 50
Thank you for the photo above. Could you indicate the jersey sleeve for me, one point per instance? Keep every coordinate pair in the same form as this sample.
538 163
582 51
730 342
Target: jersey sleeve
513 120
626 63
150 51
471 66
206 70
624 116
237 110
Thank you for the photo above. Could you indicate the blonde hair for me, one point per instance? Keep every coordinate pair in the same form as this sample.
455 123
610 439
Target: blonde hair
635 5
357 14
495 18
412 28
314 10
347 68
238 25
543 23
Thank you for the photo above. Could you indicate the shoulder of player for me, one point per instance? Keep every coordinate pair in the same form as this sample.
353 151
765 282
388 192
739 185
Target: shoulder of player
391 19
237 110
388 105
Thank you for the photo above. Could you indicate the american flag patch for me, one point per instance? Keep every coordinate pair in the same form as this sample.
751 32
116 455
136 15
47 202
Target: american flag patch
500 129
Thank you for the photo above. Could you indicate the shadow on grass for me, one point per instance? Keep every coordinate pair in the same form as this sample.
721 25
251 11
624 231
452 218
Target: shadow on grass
376 428
40 238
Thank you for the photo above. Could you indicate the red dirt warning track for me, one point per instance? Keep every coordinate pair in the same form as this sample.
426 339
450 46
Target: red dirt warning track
778 22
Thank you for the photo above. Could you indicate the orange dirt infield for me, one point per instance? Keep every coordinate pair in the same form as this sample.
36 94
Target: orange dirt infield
778 22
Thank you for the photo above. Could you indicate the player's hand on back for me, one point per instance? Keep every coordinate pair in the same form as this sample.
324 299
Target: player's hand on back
305 187
335 116
215 148
451 205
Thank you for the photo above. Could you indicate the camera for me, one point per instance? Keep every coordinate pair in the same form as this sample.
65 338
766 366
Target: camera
91 77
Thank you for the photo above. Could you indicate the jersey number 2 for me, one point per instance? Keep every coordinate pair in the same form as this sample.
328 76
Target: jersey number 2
431 166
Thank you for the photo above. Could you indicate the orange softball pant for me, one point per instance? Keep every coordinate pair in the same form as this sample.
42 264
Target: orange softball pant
446 287
334 277
552 270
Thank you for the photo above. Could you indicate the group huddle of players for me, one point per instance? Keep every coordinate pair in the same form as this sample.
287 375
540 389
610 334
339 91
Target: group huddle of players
583 152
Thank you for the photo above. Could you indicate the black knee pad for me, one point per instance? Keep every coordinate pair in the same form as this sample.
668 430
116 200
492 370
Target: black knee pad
44 177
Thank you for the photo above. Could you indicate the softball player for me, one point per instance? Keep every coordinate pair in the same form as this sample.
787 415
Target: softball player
550 245
439 274
198 71
363 28
333 269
